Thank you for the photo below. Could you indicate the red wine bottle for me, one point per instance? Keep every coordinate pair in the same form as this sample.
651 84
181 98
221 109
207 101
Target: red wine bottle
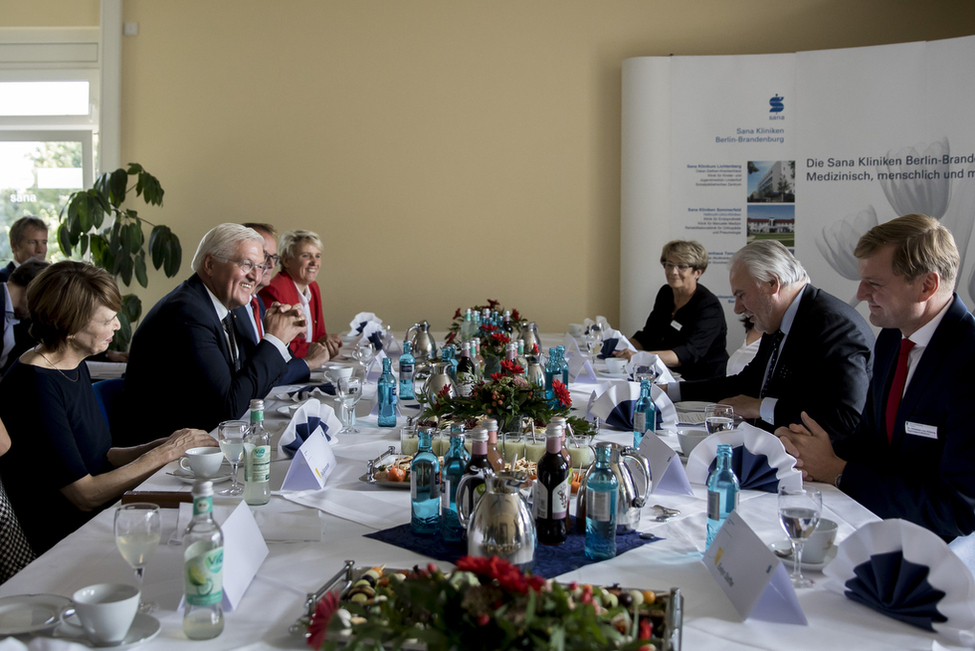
552 491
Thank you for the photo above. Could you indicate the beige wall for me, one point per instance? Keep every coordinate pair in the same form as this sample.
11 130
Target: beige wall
448 151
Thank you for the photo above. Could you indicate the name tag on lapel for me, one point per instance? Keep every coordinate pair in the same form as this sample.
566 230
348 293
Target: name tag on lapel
917 429
676 326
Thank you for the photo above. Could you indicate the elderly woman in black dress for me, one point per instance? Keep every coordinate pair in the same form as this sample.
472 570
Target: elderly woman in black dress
686 327
61 468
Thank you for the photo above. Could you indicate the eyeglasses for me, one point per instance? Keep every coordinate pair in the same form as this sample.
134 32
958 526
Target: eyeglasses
271 260
247 265
679 267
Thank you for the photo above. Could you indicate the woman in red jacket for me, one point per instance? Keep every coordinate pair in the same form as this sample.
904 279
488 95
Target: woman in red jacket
301 259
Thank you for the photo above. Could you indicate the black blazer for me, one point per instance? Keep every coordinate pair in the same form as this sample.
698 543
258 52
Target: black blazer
297 370
22 338
702 341
823 368
929 481
179 372
6 271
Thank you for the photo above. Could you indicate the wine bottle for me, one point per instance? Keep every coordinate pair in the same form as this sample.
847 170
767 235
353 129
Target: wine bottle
466 372
552 491
495 457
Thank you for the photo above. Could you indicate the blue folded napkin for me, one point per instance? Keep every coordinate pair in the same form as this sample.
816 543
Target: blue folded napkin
549 561
328 388
622 416
609 346
898 588
362 324
752 470
377 340
304 430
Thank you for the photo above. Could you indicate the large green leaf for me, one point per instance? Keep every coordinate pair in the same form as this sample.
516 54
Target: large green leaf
131 307
125 268
118 181
149 188
175 258
99 251
64 239
83 245
140 269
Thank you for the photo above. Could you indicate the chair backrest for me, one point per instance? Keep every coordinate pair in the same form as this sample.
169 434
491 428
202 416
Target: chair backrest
109 396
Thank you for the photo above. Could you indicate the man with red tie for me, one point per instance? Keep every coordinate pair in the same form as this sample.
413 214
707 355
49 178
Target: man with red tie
913 454
247 318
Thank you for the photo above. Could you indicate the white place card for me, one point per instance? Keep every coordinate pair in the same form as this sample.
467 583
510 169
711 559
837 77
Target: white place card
752 576
244 550
581 371
665 467
571 346
375 368
312 464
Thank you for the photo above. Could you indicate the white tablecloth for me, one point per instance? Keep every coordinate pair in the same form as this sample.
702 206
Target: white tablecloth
349 508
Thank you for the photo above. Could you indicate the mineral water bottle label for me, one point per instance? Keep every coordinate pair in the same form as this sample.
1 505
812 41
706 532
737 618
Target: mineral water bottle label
714 506
445 495
640 422
406 371
259 466
202 505
599 505
203 578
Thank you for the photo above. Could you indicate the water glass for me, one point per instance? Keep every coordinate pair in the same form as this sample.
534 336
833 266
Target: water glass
349 392
137 534
799 513
230 434
719 418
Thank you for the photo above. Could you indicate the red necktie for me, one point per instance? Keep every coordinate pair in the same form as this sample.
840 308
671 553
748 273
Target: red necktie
257 318
897 387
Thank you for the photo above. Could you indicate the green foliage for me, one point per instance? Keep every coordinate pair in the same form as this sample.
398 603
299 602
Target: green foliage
119 247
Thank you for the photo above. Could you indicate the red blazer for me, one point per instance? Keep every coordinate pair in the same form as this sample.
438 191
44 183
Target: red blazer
283 290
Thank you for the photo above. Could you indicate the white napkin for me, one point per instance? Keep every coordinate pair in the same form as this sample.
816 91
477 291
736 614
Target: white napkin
375 367
369 329
368 317
757 441
643 358
619 392
622 342
920 546
311 408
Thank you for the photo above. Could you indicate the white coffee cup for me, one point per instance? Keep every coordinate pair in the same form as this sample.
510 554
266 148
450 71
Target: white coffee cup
616 366
202 462
576 329
336 372
815 548
106 611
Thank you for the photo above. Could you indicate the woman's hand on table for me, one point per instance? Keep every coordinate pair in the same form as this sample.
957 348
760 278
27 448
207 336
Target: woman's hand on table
317 355
332 343
624 354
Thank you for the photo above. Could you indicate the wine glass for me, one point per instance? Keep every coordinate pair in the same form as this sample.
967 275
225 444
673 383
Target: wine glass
644 372
799 512
231 434
137 534
718 418
364 352
593 338
349 391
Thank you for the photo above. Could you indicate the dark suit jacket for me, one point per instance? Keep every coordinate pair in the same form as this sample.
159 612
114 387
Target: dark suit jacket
823 368
247 339
6 271
179 372
700 344
22 338
282 289
929 481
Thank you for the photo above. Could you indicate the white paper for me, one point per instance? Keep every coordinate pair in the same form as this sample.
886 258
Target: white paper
581 371
665 467
571 347
311 466
375 368
751 575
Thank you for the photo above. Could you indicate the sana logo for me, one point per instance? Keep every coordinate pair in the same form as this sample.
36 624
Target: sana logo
776 103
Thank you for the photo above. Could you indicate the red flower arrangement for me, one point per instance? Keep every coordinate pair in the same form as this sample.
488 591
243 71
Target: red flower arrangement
508 576
511 368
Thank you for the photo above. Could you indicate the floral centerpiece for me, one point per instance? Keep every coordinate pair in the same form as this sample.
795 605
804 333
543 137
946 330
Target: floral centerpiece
485 603
454 330
505 396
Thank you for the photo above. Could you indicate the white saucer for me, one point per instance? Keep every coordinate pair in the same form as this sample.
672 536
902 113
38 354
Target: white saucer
143 629
188 477
809 567
602 373
30 613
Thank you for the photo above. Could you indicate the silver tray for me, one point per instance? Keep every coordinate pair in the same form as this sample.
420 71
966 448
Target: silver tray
350 573
373 465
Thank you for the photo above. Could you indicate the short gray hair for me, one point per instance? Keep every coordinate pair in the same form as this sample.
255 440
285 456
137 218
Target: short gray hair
768 260
287 247
222 242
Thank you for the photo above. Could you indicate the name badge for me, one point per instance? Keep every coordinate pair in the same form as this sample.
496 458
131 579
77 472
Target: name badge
676 326
917 429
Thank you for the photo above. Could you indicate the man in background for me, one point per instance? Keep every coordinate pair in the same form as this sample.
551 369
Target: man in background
248 318
814 346
28 239
913 454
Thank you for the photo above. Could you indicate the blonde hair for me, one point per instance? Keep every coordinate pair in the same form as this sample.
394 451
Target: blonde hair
688 252
290 240
921 245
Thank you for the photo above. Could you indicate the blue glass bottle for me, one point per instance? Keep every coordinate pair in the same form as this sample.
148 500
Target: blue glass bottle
406 366
425 487
722 492
454 463
564 365
644 414
387 395
552 372
602 493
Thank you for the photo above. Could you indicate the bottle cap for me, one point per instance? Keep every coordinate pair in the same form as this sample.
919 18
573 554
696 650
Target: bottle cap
203 488
490 424
479 434
257 404
553 429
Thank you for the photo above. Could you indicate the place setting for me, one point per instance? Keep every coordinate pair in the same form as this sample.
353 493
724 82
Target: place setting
203 463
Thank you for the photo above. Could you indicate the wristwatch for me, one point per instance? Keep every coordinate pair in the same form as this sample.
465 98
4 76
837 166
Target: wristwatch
836 482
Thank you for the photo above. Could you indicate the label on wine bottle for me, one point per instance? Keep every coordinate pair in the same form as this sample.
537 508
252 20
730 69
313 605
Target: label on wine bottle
552 504
465 383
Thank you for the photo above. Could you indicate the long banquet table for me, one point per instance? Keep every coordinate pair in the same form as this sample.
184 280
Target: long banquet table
348 508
